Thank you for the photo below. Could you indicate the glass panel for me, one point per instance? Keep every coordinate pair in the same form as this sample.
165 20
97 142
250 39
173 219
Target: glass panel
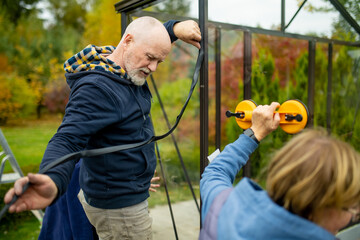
321 83
172 8
173 80
279 73
345 117
308 21
231 84
267 14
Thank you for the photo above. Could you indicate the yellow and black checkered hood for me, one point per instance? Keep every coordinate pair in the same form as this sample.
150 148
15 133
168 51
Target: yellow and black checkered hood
91 58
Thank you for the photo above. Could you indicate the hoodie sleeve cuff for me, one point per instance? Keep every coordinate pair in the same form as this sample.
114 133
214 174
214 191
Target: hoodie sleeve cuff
57 182
169 25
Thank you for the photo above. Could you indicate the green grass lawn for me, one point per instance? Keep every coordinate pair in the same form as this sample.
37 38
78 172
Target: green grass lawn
28 140
25 229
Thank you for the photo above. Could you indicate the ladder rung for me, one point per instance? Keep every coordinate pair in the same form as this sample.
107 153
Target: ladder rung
9 177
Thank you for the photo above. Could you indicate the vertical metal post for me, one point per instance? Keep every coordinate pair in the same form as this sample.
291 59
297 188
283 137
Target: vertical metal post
311 82
329 88
124 22
282 15
247 65
218 87
247 83
204 85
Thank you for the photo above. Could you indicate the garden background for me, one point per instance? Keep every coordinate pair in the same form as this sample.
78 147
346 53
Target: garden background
34 93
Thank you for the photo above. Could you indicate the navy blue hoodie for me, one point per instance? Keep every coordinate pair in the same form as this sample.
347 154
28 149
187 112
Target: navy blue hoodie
104 110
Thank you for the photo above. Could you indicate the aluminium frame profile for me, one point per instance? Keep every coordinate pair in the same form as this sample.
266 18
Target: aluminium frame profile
127 6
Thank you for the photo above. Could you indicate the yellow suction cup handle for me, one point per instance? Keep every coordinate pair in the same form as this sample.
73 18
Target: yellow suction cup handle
294 115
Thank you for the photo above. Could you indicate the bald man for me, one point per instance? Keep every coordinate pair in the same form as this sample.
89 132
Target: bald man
109 105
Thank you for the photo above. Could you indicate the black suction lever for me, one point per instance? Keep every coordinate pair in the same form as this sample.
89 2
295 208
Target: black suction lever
237 115
290 117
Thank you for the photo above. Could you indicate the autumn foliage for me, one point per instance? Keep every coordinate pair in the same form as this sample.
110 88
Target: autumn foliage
32 79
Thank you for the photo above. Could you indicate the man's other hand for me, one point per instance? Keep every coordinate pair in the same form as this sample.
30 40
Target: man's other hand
40 194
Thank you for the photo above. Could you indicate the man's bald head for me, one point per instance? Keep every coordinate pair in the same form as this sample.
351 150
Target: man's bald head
144 45
144 28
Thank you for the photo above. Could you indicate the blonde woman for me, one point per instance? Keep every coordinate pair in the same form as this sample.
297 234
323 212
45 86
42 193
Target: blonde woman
313 187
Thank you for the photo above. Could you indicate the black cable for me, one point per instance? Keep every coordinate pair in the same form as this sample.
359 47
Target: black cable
175 144
166 191
101 151
193 84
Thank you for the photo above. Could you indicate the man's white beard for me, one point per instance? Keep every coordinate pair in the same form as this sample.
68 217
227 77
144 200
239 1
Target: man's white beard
139 81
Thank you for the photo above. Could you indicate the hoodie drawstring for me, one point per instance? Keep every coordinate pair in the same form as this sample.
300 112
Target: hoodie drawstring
137 100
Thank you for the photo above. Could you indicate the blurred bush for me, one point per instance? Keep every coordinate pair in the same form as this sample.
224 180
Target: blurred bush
16 98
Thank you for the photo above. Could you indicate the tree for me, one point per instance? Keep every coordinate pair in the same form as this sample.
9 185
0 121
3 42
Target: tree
342 29
285 51
27 46
69 13
15 9
174 7
103 24
16 98
345 97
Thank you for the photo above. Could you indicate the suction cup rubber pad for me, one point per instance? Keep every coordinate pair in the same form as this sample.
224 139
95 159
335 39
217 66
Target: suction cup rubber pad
293 107
246 107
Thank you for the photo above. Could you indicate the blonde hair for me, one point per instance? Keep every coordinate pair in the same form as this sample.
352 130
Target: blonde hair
314 171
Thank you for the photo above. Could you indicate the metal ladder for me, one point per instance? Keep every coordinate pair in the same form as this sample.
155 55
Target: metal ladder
6 155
